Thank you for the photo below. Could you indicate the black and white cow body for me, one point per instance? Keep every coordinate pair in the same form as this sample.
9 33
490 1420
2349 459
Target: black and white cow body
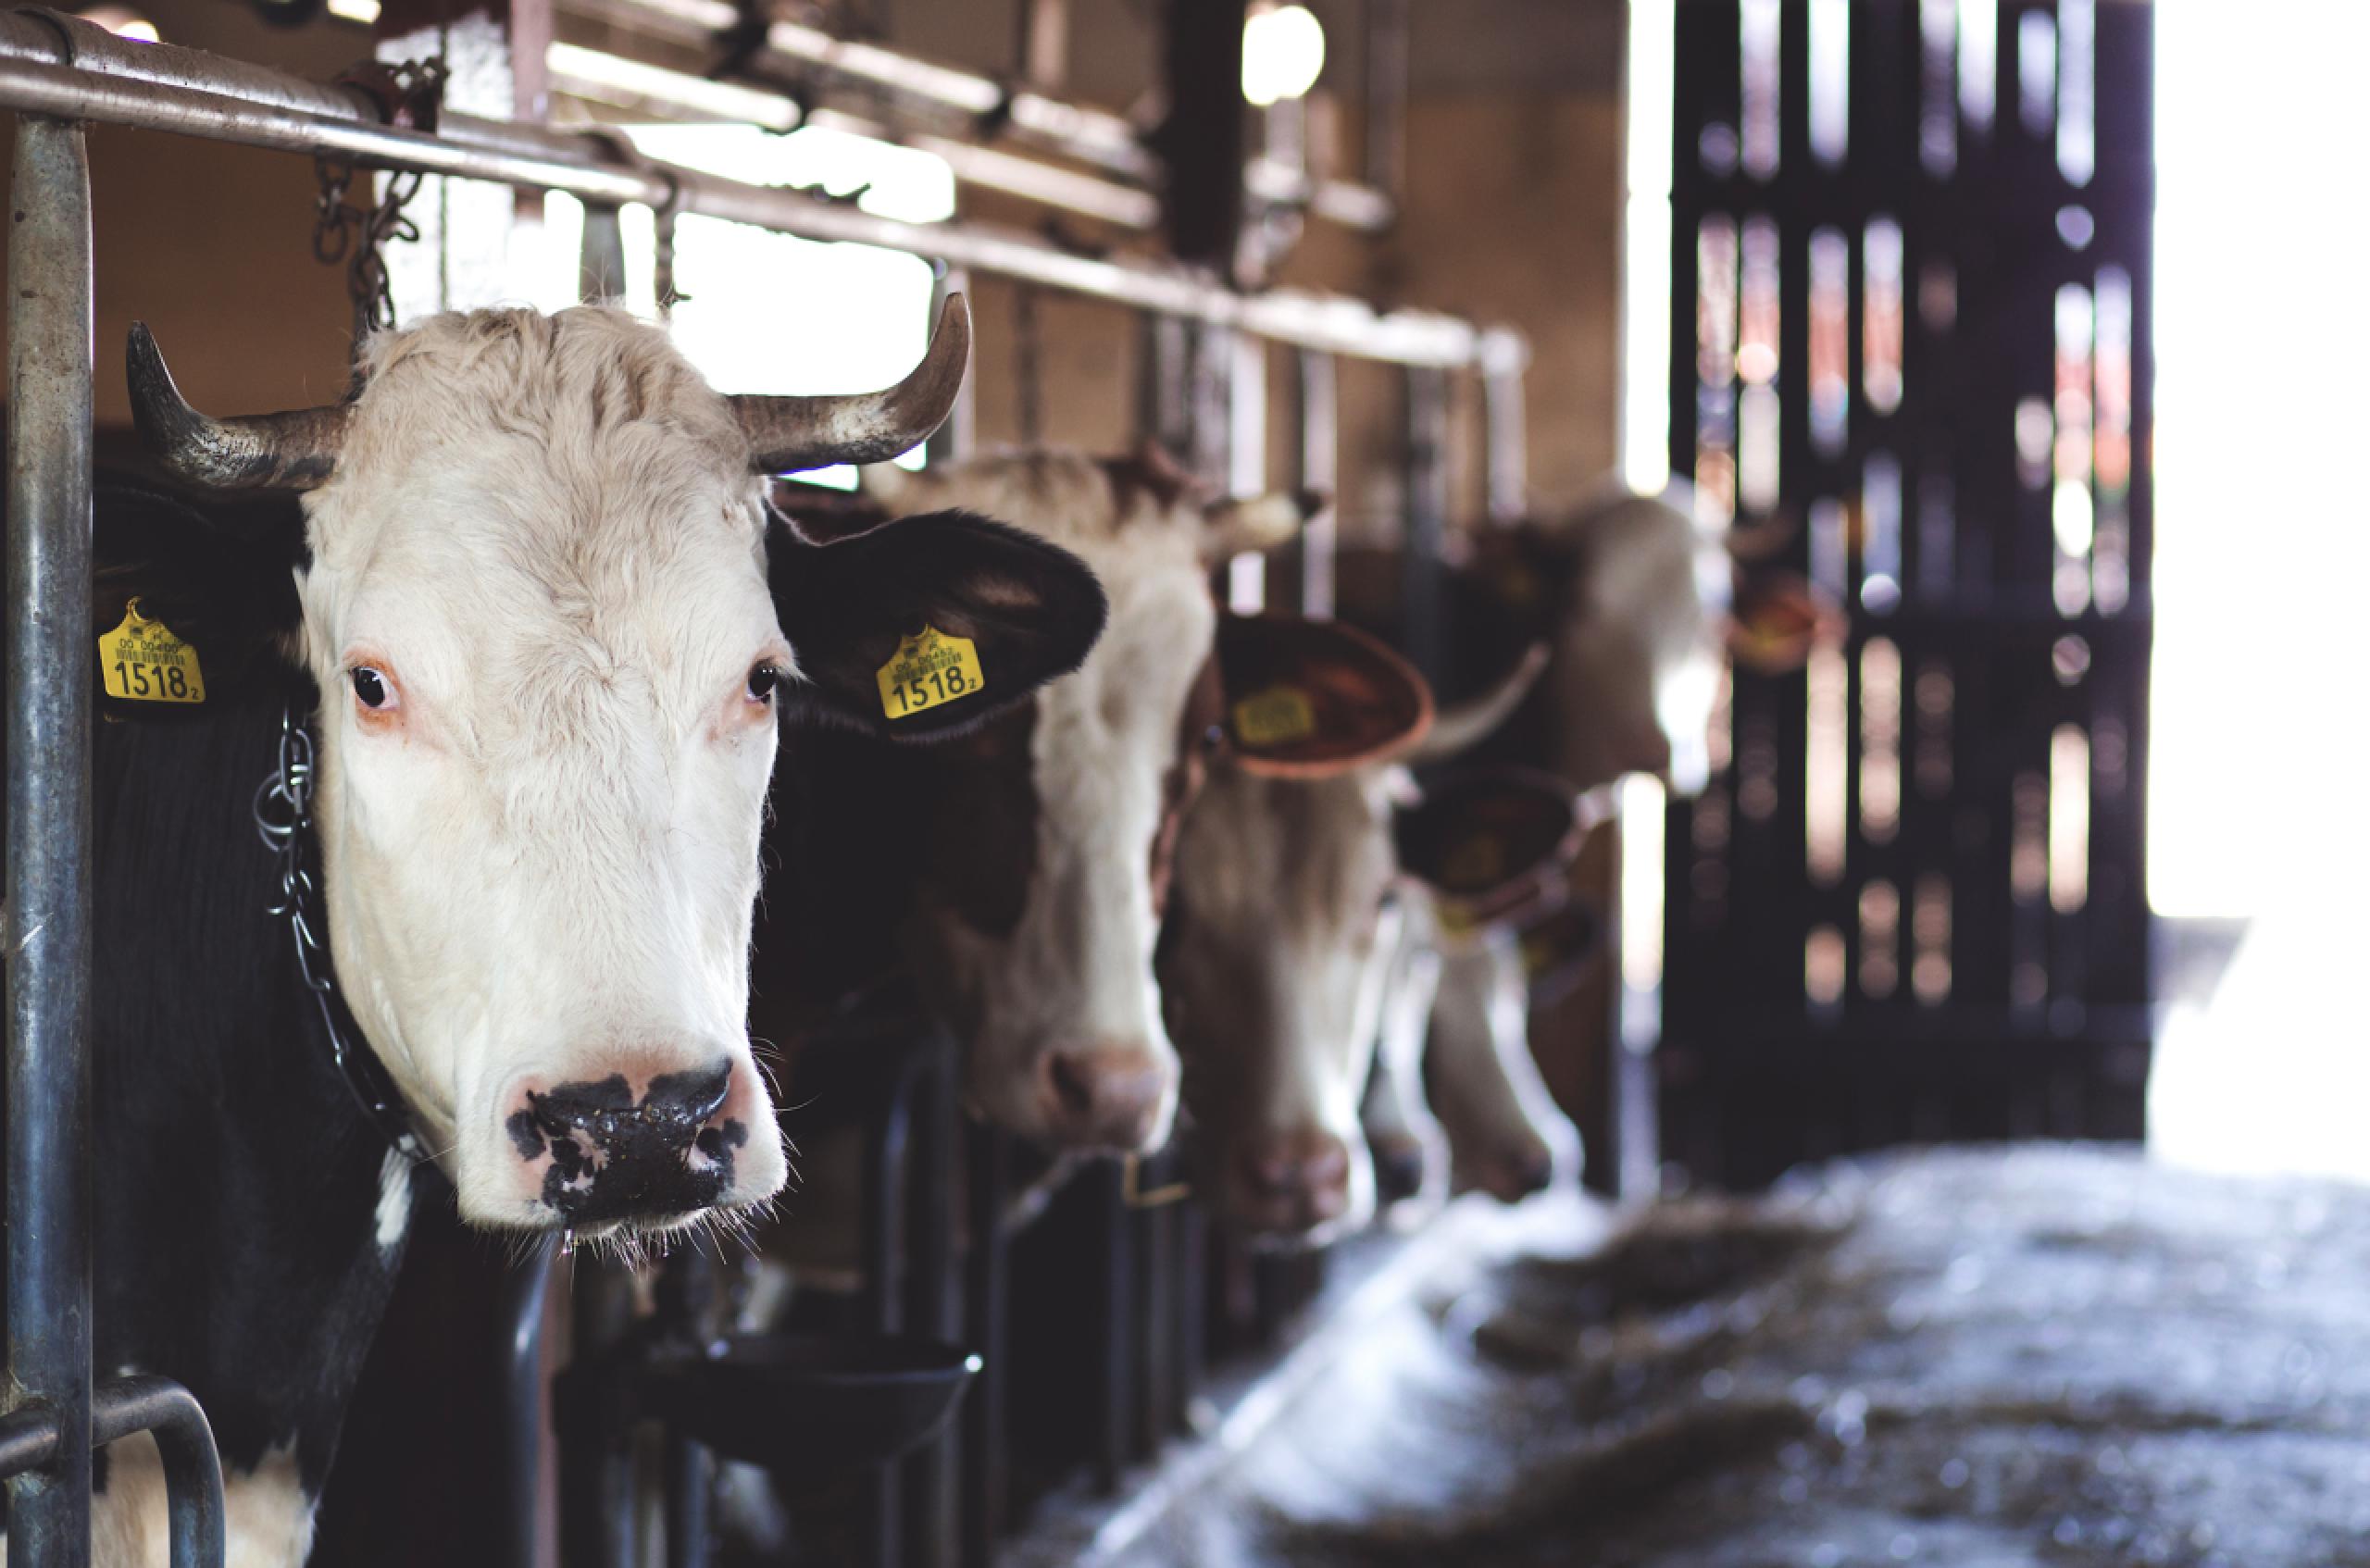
542 633
248 1215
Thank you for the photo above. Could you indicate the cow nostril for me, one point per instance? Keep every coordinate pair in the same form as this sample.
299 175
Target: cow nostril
689 1099
1073 1083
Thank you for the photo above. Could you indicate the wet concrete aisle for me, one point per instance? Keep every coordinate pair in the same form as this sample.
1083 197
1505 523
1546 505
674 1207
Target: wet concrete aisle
2054 1356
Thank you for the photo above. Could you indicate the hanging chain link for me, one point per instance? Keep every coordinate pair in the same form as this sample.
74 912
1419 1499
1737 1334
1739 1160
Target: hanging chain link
355 232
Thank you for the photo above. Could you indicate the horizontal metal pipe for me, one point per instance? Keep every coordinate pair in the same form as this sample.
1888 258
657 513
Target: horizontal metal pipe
1093 136
150 88
626 84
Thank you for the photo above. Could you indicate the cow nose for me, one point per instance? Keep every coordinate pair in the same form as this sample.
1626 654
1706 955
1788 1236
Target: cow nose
1515 1176
1398 1168
1104 1099
1291 1182
608 1151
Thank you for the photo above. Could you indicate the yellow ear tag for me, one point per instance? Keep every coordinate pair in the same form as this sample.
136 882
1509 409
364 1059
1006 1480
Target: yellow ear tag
1476 862
141 661
1274 717
928 669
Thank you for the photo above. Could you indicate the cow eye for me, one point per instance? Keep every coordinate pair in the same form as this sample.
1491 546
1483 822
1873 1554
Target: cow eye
765 679
370 686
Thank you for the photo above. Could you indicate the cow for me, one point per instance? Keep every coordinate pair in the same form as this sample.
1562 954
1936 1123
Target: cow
1640 603
1294 887
1016 878
508 638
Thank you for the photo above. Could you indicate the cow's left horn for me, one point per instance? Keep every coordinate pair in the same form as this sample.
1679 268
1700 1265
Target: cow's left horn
291 451
787 434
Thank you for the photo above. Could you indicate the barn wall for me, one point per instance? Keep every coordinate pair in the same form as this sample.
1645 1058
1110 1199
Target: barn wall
212 246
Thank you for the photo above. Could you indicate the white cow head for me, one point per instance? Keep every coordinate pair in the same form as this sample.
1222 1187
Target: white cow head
1644 604
1288 912
1036 935
550 636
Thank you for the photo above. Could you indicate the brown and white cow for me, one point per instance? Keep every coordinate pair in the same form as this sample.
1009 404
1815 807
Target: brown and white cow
1641 605
1018 875
1641 602
1294 887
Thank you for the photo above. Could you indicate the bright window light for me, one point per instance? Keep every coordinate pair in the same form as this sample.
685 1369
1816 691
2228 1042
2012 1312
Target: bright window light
122 21
2261 554
1283 53
760 312
1645 269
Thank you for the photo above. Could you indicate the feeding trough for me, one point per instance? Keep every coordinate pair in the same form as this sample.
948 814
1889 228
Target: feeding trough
812 1403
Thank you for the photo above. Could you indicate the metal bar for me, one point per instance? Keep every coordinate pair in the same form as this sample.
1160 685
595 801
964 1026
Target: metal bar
525 1291
929 1474
1387 97
1320 470
1108 142
626 84
48 887
1189 1320
881 1303
987 1296
690 1486
162 1407
1428 504
1116 1223
150 88
1246 459
1504 439
813 57
601 255
195 1518
1044 43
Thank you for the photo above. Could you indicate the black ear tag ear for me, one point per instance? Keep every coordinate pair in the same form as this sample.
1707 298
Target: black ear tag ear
1490 843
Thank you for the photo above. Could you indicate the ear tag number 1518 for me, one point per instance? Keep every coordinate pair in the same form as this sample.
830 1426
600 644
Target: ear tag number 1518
928 669
141 661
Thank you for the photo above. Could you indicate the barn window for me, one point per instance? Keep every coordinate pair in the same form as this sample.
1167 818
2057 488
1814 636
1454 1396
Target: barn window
760 312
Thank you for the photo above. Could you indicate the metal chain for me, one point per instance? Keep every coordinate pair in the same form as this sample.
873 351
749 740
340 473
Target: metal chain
348 232
283 818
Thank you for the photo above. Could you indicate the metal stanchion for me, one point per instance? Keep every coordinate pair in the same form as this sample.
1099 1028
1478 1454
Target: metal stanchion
48 745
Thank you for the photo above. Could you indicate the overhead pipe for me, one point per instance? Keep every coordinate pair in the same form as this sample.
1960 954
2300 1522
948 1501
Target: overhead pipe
160 87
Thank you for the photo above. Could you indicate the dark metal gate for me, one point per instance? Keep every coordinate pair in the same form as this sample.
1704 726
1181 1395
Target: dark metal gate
1912 284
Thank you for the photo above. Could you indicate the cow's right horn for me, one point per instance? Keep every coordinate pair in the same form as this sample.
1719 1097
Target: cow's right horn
296 450
788 435
1467 724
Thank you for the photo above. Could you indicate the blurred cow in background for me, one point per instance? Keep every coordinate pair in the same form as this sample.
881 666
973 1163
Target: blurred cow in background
1295 891
1017 874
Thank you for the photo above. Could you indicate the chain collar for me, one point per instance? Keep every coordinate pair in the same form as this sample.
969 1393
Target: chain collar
283 814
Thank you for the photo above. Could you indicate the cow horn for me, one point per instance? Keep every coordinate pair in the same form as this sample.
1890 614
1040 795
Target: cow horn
1257 524
1467 725
790 434
296 450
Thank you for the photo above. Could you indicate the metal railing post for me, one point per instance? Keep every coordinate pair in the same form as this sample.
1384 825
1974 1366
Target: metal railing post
1320 469
48 748
1427 535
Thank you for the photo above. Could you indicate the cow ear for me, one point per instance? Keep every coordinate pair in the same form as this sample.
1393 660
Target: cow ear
1774 618
1491 843
220 577
929 625
1310 699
